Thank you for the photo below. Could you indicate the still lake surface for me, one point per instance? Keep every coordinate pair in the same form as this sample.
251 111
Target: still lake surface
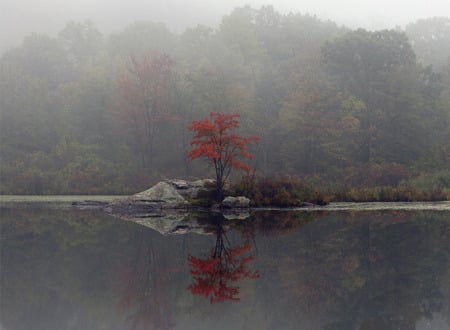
341 269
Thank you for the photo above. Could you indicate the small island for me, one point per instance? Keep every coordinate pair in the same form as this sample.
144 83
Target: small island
224 150
185 195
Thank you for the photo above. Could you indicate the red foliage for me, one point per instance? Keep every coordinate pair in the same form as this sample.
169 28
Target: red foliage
145 87
214 141
144 99
213 276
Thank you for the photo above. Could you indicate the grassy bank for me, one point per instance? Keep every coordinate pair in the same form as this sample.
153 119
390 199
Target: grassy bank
389 194
292 192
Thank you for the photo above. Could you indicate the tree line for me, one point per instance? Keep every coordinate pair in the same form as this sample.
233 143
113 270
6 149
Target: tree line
84 112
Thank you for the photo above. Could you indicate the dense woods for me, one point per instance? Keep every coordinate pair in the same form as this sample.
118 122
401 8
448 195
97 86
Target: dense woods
83 112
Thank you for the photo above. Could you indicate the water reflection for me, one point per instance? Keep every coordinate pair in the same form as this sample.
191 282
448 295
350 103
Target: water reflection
363 270
376 271
216 276
144 279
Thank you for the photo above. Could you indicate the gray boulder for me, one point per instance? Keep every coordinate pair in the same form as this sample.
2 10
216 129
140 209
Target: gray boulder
235 202
192 189
163 193
168 194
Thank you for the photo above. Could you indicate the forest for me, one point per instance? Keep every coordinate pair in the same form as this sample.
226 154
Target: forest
87 113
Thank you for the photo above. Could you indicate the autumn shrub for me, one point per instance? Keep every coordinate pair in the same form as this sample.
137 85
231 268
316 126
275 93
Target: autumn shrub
278 192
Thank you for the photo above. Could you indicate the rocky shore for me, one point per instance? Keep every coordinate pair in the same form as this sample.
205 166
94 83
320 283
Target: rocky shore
177 196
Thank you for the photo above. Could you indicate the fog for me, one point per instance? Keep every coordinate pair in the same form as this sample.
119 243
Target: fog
19 18
99 100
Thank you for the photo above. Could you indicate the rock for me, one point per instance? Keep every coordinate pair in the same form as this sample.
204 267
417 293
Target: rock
173 207
173 195
168 194
235 202
192 189
164 193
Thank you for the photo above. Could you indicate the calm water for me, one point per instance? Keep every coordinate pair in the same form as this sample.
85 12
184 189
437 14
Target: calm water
63 269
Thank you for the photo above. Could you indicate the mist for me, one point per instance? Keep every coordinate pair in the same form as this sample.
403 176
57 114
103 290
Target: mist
128 127
97 98
19 18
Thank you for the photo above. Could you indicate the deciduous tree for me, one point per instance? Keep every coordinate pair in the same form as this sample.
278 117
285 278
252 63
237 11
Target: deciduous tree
144 101
365 64
215 141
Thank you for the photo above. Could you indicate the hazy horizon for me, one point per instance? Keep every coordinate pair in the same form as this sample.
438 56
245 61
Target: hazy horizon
20 18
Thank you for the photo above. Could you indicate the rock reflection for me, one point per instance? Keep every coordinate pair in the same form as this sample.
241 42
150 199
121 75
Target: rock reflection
215 276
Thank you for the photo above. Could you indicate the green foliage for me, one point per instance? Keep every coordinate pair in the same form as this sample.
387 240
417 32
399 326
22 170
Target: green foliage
429 182
70 168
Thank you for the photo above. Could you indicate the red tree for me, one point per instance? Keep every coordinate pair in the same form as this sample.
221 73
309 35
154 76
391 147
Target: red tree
213 277
214 141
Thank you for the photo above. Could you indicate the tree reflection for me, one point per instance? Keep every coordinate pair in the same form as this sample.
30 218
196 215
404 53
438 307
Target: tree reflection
144 282
386 270
215 277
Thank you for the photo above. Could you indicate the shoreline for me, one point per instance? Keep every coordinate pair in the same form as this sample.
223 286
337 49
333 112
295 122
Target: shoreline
100 201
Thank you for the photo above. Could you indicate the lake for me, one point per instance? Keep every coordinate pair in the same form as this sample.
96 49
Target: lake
339 269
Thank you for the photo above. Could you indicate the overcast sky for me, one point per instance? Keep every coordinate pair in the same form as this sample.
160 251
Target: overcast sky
19 18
